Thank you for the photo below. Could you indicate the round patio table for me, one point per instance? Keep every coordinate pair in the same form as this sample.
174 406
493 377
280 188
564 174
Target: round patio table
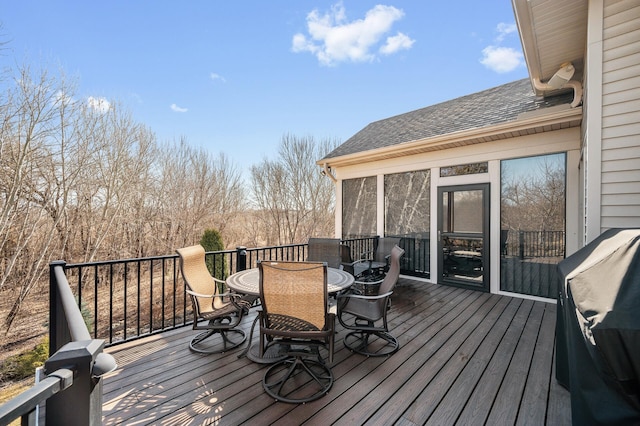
248 282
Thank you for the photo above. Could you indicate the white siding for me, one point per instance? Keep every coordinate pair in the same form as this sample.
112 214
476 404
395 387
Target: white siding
620 180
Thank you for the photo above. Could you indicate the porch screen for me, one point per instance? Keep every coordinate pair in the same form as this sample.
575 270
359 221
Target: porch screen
359 207
407 215
532 224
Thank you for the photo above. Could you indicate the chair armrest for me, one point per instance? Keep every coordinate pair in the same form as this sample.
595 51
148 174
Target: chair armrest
360 296
193 293
369 282
355 262
228 294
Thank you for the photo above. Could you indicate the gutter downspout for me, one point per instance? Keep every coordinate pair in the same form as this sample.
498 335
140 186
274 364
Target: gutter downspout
574 84
326 170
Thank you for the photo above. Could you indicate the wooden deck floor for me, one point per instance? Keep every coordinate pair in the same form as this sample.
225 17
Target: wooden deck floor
466 358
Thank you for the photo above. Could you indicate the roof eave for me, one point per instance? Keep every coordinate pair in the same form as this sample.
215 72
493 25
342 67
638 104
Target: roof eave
524 23
527 124
551 33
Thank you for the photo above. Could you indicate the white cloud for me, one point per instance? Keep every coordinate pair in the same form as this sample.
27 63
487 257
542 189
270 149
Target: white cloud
501 59
504 30
176 108
332 39
218 77
395 43
100 105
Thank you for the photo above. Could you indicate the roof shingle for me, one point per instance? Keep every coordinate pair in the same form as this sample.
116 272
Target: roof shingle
487 108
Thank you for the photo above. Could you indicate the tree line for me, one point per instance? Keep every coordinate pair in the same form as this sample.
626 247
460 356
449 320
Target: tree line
81 183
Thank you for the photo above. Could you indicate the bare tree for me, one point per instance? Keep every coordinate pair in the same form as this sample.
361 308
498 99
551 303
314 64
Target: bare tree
36 133
535 201
194 191
81 184
294 199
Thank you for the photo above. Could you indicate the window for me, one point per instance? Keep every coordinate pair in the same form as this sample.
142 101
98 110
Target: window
407 214
464 169
532 223
359 207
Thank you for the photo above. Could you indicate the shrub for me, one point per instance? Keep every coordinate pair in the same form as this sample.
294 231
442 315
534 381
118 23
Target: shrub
21 366
212 241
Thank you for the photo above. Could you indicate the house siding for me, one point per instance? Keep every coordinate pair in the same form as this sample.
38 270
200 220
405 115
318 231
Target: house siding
620 149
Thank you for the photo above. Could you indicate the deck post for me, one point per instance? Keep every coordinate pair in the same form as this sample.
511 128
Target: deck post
241 263
81 402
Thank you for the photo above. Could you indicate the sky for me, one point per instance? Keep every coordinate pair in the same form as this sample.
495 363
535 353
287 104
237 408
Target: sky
234 77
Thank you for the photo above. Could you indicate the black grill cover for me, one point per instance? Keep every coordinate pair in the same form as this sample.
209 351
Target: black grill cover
598 343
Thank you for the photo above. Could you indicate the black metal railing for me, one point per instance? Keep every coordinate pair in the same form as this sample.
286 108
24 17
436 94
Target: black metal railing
124 300
531 244
528 262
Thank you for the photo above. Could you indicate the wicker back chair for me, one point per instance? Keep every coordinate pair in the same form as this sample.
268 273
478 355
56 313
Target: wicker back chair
223 311
325 250
294 315
366 314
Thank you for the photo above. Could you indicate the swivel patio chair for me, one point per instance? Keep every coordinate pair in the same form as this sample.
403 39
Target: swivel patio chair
294 315
382 252
354 267
324 250
366 314
221 311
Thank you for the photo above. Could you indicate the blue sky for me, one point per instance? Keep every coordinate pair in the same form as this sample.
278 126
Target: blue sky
235 76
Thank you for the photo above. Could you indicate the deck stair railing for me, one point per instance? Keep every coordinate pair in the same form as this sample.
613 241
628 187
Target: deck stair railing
72 389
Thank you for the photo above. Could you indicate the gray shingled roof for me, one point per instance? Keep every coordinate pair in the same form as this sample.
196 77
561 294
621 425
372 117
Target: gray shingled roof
489 107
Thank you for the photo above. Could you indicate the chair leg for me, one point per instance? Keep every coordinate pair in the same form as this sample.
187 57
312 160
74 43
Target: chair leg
231 339
361 342
253 326
297 380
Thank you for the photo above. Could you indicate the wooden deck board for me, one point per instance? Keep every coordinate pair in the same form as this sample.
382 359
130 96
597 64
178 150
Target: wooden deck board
479 404
533 407
396 370
507 402
427 402
465 357
460 391
428 360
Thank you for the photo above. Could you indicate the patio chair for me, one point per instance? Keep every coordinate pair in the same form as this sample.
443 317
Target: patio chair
366 314
382 252
354 267
324 250
294 315
221 311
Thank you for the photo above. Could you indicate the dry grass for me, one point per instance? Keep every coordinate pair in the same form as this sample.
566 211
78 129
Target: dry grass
13 389
31 325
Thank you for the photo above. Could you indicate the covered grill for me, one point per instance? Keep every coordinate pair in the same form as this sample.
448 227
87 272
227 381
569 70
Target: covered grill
598 329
